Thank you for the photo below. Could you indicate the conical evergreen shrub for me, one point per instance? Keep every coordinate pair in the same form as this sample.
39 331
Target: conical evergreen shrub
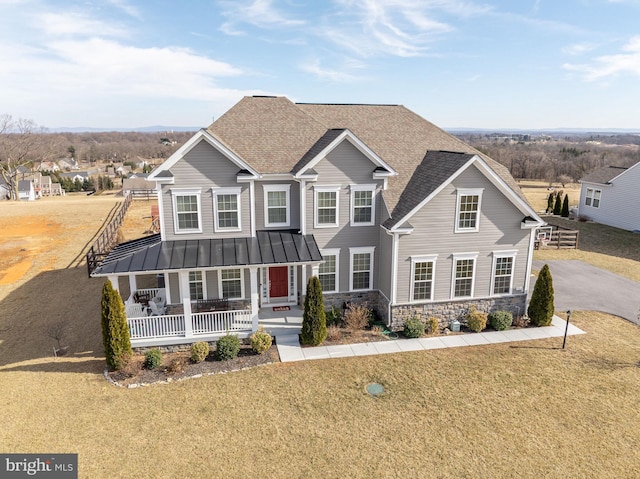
557 207
565 207
314 321
541 308
550 202
115 330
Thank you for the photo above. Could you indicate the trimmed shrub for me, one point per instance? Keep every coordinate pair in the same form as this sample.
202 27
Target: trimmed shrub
199 351
334 333
357 316
500 320
152 358
521 321
227 347
550 202
177 365
260 340
115 330
333 316
557 206
476 320
433 325
314 321
413 328
541 307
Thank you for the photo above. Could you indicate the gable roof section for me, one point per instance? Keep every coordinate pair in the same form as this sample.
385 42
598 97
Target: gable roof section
437 170
328 142
603 175
201 135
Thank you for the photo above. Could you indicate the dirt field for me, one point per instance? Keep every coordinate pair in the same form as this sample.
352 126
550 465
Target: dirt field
537 192
526 410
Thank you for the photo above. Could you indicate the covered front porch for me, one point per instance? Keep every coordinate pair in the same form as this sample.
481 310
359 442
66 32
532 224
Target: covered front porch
206 297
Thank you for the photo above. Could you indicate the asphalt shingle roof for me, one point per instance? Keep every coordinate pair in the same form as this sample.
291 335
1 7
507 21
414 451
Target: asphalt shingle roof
274 135
603 175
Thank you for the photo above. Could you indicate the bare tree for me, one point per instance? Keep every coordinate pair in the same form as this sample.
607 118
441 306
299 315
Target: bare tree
20 140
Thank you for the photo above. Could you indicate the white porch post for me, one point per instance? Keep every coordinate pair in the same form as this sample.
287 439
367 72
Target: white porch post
315 270
133 285
253 273
114 282
167 289
188 325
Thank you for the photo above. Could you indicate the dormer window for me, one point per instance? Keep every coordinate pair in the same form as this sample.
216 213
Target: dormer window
468 210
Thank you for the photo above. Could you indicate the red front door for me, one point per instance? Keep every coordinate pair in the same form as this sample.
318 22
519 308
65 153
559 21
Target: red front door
279 282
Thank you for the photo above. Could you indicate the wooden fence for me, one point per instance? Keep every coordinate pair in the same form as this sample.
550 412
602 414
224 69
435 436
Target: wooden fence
107 239
558 238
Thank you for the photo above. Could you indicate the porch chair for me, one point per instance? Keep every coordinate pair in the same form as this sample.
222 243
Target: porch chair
156 310
135 310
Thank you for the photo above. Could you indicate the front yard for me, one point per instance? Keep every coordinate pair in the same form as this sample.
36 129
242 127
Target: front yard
525 410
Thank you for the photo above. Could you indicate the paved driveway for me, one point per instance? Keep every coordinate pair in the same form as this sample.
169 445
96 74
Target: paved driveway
578 285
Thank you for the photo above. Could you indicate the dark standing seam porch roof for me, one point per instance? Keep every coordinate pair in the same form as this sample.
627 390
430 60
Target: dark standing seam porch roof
153 254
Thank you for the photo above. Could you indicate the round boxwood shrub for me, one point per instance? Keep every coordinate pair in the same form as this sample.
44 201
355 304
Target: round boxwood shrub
227 347
260 341
199 351
500 320
476 320
152 358
413 328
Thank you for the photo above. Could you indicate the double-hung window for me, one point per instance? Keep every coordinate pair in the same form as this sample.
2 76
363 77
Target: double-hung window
503 264
226 209
328 270
592 197
422 274
468 210
231 284
276 205
196 285
326 206
187 211
464 269
363 205
361 262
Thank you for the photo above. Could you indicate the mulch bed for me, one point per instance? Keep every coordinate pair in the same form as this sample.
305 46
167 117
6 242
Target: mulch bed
178 366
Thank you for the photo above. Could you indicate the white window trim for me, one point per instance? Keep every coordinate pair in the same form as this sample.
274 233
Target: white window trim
325 189
592 197
360 250
456 258
204 284
496 256
422 259
226 191
335 252
372 189
460 192
269 188
241 283
175 192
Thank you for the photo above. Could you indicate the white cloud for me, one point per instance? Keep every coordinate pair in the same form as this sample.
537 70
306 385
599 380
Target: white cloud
259 13
76 24
127 8
610 66
337 76
579 48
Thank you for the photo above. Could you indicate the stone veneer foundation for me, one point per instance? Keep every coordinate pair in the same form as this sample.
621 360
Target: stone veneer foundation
448 311
373 299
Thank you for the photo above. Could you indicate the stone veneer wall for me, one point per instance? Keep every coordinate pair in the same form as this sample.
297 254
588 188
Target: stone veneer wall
449 310
179 348
373 299
239 304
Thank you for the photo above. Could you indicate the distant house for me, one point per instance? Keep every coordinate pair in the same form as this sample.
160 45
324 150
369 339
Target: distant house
123 170
5 192
48 166
611 196
26 190
68 164
139 186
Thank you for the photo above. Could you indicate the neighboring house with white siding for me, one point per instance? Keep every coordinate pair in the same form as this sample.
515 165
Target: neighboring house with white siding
611 196
380 204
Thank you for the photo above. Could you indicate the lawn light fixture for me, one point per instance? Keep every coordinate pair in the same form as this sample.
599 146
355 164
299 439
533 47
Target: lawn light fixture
566 329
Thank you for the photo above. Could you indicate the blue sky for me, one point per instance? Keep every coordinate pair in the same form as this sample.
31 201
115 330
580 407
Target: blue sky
485 64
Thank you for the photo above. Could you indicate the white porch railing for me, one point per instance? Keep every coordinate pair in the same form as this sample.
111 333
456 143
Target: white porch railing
175 325
221 321
152 292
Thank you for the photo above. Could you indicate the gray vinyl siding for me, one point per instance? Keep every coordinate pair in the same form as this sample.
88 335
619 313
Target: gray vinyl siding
294 206
204 168
211 278
174 288
619 202
499 230
385 255
345 166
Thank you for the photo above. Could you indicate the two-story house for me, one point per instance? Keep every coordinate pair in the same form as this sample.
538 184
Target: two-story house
383 206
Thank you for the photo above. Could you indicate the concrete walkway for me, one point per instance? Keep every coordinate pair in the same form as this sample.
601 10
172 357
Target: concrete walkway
290 350
581 286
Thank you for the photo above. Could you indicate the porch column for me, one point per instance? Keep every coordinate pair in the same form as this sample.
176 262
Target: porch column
167 289
114 282
315 270
188 325
253 274
133 286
